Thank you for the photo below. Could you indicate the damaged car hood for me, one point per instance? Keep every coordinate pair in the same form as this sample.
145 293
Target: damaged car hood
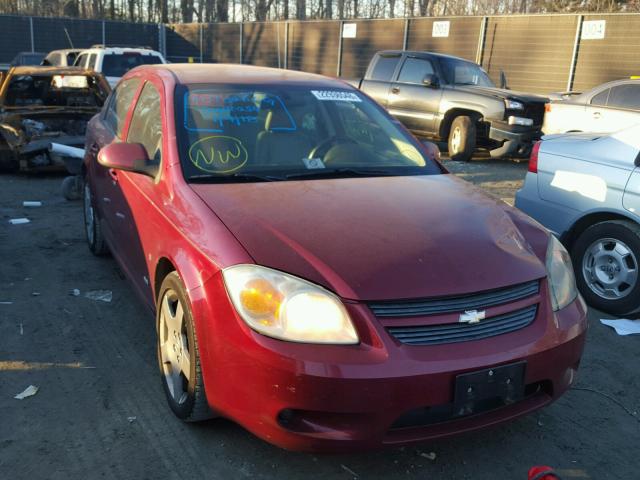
383 238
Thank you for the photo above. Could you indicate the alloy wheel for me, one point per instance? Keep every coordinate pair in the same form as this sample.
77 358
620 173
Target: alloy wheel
610 268
456 140
174 346
89 217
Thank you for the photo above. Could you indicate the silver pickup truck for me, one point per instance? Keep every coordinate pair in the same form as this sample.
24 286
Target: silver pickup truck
450 99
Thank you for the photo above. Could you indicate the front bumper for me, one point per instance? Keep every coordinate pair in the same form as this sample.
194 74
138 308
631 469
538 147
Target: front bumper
515 141
345 398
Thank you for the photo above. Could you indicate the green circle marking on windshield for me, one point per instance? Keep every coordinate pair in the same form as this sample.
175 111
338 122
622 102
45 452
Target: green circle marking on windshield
218 154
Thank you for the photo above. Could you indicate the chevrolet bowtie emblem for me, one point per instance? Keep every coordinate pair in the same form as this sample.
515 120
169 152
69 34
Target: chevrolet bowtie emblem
471 316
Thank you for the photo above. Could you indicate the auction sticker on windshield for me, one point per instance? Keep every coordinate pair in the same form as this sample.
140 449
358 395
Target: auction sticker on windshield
335 96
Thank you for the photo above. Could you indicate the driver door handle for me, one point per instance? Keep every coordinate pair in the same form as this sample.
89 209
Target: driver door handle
596 114
395 90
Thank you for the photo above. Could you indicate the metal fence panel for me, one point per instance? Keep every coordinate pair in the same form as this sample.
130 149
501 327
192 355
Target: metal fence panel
122 33
534 51
221 42
371 36
610 58
463 34
313 47
263 43
49 33
183 42
15 36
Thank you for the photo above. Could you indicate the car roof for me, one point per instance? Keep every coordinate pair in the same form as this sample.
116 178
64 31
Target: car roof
425 53
49 71
189 73
147 51
64 51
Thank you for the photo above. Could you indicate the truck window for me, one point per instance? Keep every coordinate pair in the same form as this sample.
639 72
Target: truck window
92 61
384 67
414 70
625 96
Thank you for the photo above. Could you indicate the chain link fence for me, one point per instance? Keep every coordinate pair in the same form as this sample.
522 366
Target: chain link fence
538 53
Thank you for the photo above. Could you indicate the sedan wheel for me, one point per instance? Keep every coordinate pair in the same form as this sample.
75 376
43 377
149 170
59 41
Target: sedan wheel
92 228
178 353
610 268
174 347
605 259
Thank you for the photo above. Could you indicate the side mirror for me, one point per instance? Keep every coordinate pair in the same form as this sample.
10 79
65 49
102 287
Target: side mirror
430 80
503 81
130 157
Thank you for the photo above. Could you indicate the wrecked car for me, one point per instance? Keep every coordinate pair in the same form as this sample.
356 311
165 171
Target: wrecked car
41 105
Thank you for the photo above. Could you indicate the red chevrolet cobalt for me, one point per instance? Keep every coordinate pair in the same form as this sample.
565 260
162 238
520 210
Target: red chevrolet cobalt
316 275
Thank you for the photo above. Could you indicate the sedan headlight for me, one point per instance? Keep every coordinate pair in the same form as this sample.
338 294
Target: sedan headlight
562 283
513 105
286 307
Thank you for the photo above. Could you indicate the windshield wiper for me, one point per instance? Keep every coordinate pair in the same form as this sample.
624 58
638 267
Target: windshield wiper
233 178
341 173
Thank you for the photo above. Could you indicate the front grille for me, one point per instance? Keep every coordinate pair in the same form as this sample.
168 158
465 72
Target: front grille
534 111
460 303
464 332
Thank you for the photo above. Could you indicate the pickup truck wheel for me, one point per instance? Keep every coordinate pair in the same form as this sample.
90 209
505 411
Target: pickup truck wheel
605 260
462 138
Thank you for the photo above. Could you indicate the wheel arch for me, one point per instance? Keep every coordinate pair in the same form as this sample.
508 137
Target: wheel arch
164 267
587 220
445 124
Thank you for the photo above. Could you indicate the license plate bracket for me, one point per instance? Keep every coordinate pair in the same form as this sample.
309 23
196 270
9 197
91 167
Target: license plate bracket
490 388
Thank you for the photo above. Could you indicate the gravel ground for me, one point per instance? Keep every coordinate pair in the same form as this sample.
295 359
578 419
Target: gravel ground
100 410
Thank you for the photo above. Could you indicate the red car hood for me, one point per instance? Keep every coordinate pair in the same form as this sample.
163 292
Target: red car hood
382 238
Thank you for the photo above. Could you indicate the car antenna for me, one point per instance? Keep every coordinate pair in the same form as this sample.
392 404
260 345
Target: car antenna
68 37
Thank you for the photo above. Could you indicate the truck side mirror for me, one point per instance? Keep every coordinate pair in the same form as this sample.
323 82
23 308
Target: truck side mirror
503 81
430 80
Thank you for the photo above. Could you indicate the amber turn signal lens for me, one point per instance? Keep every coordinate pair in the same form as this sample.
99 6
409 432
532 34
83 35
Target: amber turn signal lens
260 298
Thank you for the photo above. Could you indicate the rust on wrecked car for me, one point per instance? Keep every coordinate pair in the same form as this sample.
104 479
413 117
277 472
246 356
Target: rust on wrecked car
41 105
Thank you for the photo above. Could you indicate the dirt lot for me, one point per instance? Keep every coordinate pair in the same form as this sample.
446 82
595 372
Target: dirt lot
100 410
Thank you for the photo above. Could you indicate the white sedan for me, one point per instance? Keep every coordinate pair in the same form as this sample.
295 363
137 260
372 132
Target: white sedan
606 108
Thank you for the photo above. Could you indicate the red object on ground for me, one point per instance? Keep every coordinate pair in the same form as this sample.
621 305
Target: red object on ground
538 473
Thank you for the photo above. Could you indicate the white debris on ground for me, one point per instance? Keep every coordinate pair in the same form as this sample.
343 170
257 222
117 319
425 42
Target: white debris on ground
30 391
100 295
31 204
623 326
19 221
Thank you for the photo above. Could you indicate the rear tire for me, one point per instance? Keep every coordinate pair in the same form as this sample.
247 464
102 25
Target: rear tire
462 139
92 228
178 353
72 188
605 260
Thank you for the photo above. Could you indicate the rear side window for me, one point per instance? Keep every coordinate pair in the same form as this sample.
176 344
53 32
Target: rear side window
92 61
116 65
71 58
601 98
80 61
146 123
625 96
384 67
414 70
119 105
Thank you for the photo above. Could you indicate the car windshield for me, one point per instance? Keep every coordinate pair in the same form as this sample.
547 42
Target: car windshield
257 133
460 72
117 64
54 91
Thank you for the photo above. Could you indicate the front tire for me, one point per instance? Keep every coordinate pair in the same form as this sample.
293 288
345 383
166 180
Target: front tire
178 353
462 139
605 259
92 228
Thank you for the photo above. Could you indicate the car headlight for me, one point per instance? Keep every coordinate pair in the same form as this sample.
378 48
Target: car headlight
286 307
513 105
562 283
